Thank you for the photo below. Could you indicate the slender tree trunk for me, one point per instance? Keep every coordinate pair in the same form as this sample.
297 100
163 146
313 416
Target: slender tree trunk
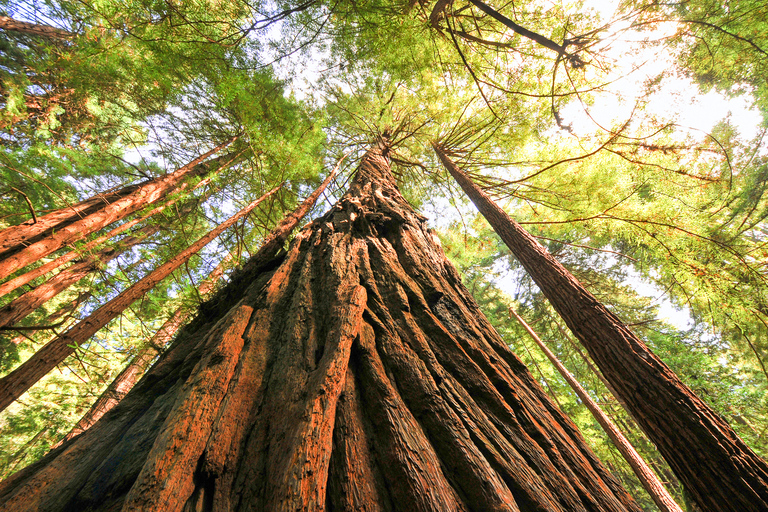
645 474
25 304
20 255
352 373
16 237
127 378
43 269
714 465
28 302
13 385
11 25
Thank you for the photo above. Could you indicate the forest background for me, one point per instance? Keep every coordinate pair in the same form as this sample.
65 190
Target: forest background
633 150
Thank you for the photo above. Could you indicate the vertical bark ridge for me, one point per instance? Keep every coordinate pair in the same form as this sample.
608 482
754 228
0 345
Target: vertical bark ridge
360 382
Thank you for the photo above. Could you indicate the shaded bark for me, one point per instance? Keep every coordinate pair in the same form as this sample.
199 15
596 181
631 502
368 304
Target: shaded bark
23 252
714 465
353 372
12 284
644 473
13 385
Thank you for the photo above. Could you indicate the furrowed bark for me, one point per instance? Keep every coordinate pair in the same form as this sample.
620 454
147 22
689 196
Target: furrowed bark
20 255
43 269
714 465
644 473
13 385
130 375
352 372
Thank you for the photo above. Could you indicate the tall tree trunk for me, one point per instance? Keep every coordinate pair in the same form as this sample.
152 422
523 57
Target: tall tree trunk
714 465
14 238
13 385
128 377
353 372
28 302
11 25
43 269
33 299
21 254
644 473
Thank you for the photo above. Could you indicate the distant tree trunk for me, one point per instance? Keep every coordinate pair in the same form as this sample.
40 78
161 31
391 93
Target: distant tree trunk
352 373
13 385
714 465
33 299
127 378
28 302
43 269
19 255
34 29
644 473
16 237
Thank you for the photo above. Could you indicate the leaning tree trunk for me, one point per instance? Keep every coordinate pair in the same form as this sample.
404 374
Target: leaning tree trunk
24 252
13 385
26 303
353 372
714 465
11 284
643 472
34 29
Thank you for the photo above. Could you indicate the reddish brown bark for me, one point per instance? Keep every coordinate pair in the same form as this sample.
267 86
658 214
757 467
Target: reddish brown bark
43 269
20 255
714 465
28 302
644 473
14 238
130 375
13 385
353 372
34 29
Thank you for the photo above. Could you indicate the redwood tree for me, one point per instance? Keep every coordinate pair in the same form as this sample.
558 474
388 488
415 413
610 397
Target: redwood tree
13 385
714 465
26 243
352 372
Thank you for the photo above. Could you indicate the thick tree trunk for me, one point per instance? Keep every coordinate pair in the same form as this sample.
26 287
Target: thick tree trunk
130 375
25 252
710 460
13 385
43 269
644 473
28 302
353 372
34 29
